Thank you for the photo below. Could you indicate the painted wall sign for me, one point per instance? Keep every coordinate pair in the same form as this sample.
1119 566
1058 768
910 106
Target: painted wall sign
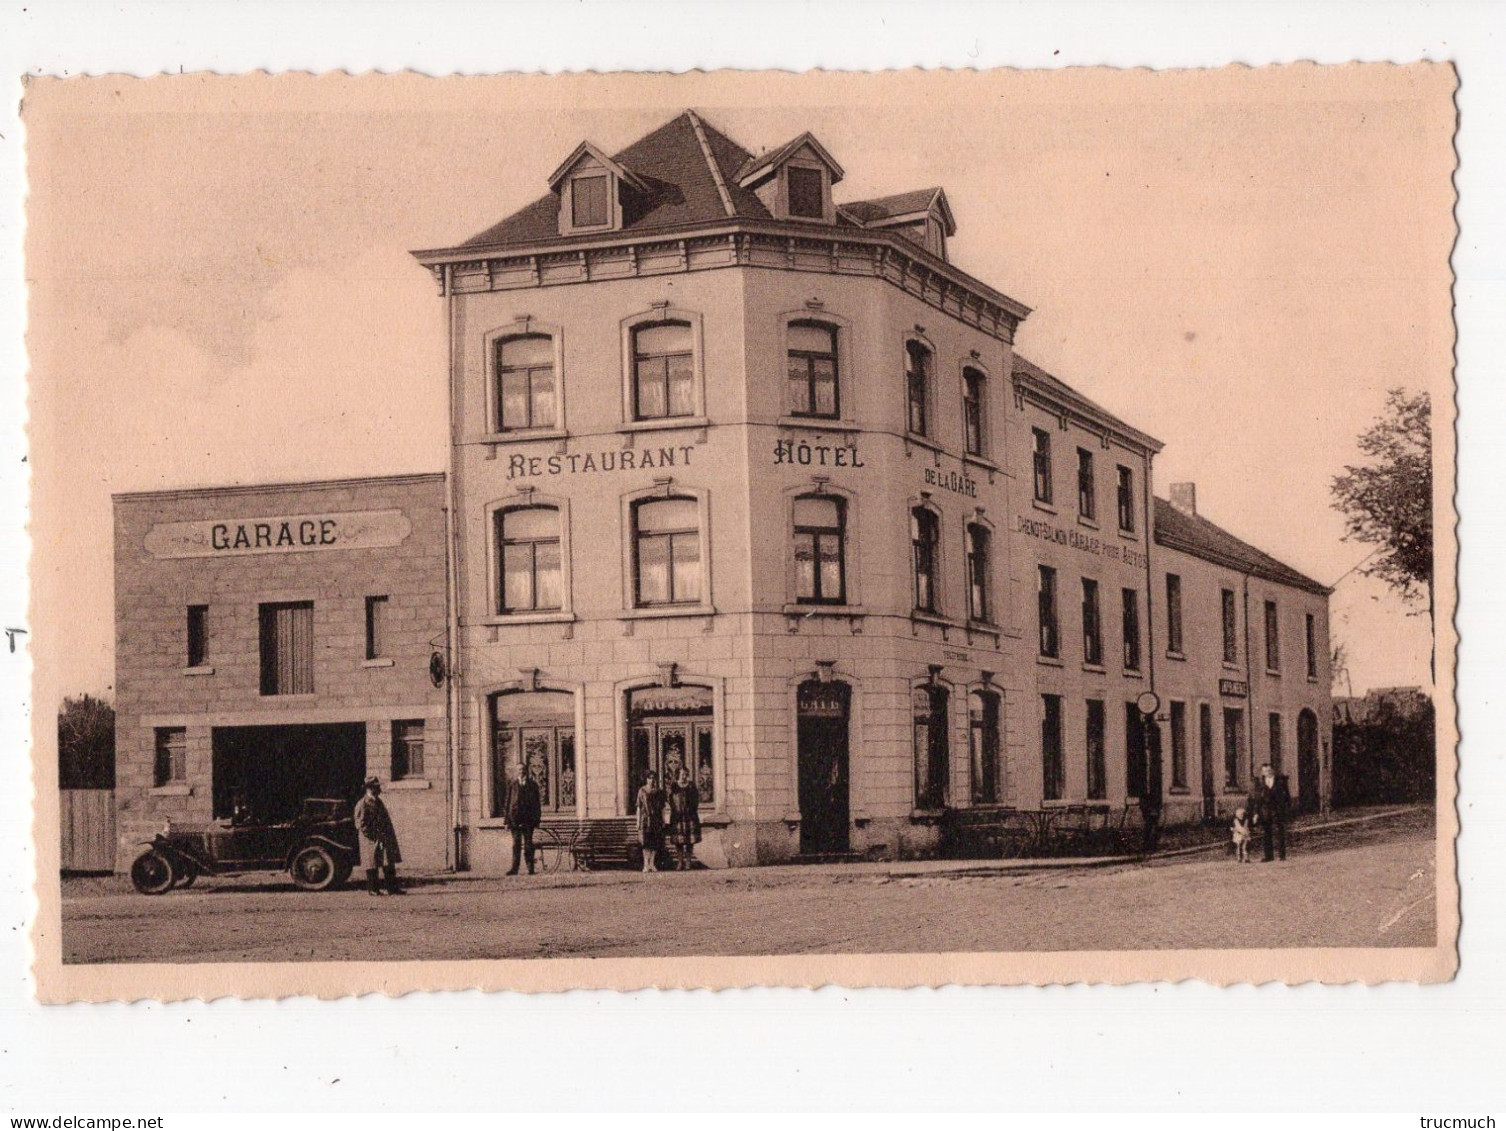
954 481
1079 540
816 455
822 700
1233 688
520 466
278 534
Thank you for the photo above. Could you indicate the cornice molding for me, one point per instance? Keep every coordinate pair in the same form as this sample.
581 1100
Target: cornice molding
916 270
1096 420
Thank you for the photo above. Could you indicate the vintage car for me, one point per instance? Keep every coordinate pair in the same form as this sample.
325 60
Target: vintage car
318 849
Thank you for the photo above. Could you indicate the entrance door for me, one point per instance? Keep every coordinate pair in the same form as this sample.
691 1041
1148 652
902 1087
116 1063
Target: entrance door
1205 759
1308 787
822 754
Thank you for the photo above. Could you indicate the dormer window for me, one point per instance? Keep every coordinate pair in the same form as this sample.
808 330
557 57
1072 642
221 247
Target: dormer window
794 181
594 190
923 217
588 202
807 192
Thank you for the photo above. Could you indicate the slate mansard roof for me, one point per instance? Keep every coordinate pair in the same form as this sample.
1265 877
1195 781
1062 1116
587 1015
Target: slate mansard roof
693 172
682 187
1195 535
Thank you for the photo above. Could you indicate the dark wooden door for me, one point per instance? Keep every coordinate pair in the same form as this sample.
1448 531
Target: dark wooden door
1205 759
1308 777
823 761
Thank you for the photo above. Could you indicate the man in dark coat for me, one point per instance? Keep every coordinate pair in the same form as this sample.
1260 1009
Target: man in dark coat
522 809
1270 802
378 839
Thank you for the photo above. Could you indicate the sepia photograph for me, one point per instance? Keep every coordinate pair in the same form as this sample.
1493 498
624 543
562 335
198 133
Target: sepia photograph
742 529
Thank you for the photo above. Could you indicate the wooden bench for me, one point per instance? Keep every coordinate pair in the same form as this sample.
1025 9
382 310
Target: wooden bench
592 843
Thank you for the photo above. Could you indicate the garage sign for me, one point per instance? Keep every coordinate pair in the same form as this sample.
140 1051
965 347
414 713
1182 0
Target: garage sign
278 534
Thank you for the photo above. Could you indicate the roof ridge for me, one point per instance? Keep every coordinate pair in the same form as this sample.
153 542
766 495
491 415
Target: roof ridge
1261 560
716 172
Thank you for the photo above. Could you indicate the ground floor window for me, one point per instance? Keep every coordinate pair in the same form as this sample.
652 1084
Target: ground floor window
170 765
983 745
1234 745
1053 769
407 749
669 729
1134 751
1178 744
1098 786
536 728
928 714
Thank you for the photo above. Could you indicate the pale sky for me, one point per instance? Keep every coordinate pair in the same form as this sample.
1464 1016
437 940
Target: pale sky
1238 262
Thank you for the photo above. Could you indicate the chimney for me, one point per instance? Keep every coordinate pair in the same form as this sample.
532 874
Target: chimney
1184 498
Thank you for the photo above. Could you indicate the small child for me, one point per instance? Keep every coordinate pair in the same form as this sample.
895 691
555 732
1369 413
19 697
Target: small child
1241 833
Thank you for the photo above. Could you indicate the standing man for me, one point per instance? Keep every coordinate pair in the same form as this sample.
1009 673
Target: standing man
1270 802
378 840
522 812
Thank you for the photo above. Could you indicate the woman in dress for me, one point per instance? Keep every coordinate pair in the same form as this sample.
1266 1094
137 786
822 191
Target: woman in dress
684 819
650 811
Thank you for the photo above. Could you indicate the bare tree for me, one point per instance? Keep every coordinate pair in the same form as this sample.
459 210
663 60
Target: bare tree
1388 501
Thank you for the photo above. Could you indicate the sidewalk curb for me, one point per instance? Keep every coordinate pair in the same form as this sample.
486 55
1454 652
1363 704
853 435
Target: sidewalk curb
1221 845
1043 864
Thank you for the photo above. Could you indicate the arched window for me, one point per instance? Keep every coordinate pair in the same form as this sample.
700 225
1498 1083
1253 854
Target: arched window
663 370
974 411
536 729
983 745
667 552
820 550
526 383
917 385
528 549
924 550
928 711
979 606
812 363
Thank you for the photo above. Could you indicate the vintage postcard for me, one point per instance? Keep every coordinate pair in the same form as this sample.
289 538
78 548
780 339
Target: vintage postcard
742 529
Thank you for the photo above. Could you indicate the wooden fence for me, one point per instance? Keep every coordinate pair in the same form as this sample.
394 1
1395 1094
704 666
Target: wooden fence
87 819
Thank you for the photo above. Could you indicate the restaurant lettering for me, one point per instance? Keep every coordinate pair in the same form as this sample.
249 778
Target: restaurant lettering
278 534
816 455
521 466
1081 541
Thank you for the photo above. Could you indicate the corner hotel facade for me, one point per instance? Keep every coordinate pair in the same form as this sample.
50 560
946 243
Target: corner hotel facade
752 482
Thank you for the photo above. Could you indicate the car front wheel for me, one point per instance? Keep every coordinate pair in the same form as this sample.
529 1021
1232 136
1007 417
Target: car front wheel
152 873
315 869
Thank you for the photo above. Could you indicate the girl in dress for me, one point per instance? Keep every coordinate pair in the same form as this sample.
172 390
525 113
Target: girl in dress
650 811
684 819
1240 830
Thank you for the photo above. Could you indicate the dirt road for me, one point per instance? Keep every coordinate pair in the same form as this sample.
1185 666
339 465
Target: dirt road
1367 885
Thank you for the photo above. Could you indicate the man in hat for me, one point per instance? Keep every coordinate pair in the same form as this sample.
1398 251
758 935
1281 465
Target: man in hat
378 839
1271 801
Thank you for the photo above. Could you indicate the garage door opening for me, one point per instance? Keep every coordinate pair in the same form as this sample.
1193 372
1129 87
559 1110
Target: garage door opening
272 770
